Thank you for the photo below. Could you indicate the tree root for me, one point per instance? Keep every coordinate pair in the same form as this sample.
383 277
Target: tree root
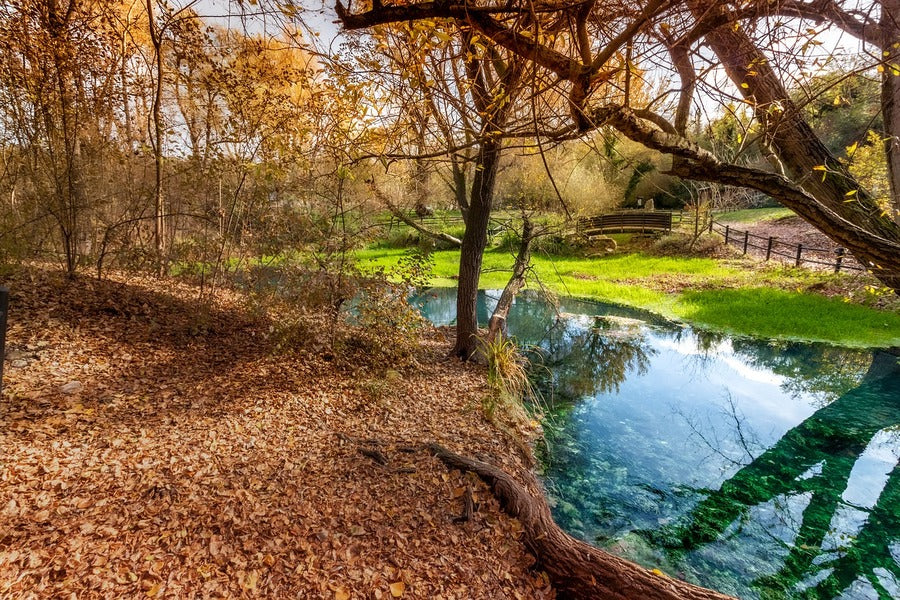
370 448
576 569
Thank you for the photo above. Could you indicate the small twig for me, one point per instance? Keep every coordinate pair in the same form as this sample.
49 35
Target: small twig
374 454
468 506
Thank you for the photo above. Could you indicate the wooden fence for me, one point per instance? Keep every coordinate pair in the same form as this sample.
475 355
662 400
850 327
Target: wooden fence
642 221
429 221
772 248
436 222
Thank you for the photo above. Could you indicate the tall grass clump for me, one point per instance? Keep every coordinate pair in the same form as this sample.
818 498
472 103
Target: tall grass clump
511 387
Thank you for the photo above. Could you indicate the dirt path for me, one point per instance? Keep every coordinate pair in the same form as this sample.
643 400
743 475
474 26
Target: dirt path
189 460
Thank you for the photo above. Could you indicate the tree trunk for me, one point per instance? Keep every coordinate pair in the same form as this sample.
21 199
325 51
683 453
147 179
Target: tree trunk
803 154
890 97
880 253
459 189
497 323
70 191
473 244
574 567
159 222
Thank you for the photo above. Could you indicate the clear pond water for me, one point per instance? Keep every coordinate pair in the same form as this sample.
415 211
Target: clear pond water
762 469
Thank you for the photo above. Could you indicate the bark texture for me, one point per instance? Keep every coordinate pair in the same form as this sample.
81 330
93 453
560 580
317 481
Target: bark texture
497 323
472 249
890 96
576 569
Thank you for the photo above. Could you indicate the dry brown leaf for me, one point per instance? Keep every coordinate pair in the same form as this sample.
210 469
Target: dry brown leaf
397 589
205 465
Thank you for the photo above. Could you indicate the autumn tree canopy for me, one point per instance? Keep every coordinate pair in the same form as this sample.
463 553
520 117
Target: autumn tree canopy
133 132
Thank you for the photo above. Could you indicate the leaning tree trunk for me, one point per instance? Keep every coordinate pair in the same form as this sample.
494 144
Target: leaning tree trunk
473 244
890 97
857 222
395 210
497 323
574 567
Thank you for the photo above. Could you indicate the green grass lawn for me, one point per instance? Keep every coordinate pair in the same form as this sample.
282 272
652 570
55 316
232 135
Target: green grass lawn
731 297
773 313
755 215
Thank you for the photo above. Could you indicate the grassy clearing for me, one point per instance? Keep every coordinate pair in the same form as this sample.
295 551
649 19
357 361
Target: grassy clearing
723 295
773 313
755 215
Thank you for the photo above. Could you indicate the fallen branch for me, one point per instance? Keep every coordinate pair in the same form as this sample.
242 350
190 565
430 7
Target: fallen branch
574 567
369 448
376 455
438 235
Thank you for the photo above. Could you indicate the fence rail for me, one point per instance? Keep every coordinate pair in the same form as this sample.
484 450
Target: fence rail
495 226
772 248
426 221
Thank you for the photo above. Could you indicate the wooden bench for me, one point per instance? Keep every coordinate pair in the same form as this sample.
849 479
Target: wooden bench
631 221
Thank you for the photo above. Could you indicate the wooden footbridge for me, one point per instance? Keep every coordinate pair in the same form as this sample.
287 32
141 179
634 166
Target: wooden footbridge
626 221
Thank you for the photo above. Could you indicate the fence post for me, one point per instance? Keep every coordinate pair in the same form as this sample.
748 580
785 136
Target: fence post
711 222
769 248
727 229
4 308
799 252
746 240
840 259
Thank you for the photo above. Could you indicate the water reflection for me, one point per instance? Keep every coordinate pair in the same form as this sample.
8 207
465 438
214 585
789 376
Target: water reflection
763 469
814 460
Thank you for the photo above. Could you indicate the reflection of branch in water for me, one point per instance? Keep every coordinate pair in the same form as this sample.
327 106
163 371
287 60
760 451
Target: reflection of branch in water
747 441
712 445
739 421
590 360
834 437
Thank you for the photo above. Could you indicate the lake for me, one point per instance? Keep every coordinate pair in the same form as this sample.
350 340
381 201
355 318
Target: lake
763 469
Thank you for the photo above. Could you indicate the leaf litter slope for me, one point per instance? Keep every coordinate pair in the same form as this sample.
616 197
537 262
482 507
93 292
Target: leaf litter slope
195 462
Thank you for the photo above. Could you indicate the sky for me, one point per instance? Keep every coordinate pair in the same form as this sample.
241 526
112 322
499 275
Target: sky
317 15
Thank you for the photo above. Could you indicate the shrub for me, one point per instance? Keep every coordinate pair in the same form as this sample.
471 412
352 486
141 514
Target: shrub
681 244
